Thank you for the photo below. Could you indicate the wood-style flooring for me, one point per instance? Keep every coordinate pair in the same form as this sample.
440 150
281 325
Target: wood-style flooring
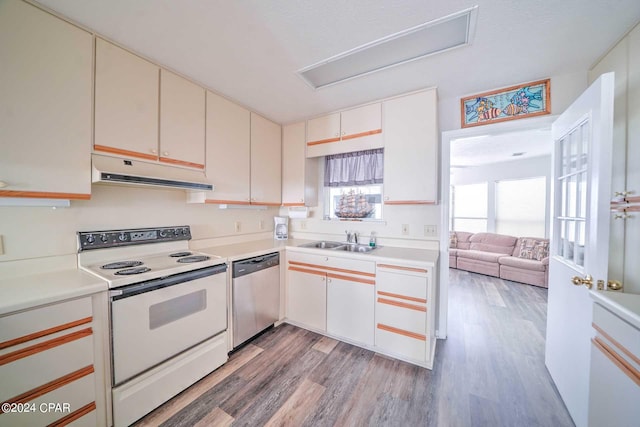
488 372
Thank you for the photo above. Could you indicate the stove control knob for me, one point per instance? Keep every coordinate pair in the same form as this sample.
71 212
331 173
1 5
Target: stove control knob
163 233
90 238
185 231
122 237
103 238
176 231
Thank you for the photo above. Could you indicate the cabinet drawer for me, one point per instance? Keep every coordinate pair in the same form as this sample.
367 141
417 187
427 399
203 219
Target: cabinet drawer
407 316
28 325
399 284
612 327
401 343
76 402
333 264
30 367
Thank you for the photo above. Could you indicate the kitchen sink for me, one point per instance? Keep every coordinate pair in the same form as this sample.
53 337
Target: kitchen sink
356 248
339 246
323 245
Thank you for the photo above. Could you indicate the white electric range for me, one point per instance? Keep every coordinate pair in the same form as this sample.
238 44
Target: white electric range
167 314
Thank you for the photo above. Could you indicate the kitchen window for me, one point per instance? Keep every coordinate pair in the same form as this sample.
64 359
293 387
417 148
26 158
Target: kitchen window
353 185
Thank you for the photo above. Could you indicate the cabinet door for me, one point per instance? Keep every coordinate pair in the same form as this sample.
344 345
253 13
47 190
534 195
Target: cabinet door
182 121
410 150
307 298
362 121
323 129
350 308
228 150
299 174
126 103
266 161
45 104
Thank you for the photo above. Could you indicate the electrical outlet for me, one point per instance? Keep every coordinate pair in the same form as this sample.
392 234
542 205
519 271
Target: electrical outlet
430 231
261 224
405 229
237 226
303 225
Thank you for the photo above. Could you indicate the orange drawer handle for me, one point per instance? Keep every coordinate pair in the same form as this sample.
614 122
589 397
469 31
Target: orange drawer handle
351 279
402 304
399 267
74 415
402 332
43 346
414 299
340 270
44 332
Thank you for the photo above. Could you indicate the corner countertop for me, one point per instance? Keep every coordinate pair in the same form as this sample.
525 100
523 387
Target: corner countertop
625 306
260 247
31 291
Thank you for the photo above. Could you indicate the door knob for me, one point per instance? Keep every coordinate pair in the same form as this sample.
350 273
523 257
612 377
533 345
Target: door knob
614 285
587 281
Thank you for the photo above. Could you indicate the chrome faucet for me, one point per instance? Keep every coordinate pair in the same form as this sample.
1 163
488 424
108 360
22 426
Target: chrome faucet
352 236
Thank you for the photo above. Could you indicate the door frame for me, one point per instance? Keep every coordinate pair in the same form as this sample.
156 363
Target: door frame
447 138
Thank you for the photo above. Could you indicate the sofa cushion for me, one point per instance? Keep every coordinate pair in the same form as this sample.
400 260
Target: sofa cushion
525 264
479 255
453 240
532 248
491 242
462 239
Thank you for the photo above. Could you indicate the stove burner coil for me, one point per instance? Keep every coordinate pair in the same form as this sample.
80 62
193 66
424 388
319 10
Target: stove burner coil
121 264
130 271
194 258
180 254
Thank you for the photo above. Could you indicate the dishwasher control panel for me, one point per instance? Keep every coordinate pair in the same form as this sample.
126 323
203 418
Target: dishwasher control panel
252 265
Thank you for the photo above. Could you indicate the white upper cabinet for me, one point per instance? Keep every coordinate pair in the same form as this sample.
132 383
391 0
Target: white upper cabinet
324 129
228 150
362 121
266 161
45 105
352 130
299 174
411 149
126 103
182 121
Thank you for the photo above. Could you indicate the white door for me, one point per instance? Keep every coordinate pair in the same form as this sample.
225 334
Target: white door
582 138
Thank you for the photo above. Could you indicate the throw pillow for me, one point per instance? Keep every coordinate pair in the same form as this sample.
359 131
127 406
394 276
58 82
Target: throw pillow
541 250
453 240
533 249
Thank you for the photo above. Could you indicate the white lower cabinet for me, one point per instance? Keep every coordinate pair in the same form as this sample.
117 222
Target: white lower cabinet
49 356
404 312
307 298
614 378
385 307
350 306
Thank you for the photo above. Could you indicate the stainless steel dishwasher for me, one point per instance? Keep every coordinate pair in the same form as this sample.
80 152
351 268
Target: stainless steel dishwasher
256 295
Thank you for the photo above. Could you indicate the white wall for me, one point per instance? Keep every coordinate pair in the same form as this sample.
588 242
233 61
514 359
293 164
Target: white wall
516 169
33 232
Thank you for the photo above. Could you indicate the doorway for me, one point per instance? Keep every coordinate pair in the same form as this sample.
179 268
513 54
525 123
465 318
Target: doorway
470 134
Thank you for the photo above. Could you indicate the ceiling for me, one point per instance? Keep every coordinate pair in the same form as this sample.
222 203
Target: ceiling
250 50
490 149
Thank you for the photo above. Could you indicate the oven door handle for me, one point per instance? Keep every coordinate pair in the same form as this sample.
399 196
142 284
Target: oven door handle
163 282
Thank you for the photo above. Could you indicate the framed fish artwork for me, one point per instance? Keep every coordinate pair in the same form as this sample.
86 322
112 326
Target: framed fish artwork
510 103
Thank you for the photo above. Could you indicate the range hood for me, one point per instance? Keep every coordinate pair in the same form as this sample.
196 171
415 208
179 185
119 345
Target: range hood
113 170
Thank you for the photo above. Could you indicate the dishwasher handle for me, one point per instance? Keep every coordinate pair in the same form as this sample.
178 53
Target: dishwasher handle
252 265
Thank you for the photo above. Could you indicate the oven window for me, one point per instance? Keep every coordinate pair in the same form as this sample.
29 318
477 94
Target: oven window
174 309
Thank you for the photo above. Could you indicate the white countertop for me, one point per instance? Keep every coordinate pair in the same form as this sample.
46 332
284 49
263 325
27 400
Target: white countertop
21 292
382 253
625 306
30 291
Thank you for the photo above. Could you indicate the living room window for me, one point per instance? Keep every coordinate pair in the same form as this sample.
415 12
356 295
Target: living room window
353 185
469 207
521 206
